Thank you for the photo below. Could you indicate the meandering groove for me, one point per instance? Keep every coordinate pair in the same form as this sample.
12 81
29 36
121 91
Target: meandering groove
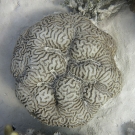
65 70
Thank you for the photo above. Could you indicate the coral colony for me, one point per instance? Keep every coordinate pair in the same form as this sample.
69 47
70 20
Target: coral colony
65 70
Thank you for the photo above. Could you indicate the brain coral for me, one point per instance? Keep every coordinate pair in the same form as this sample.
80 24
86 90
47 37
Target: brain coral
65 70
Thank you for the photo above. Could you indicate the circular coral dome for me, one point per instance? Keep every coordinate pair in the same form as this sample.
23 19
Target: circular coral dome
65 70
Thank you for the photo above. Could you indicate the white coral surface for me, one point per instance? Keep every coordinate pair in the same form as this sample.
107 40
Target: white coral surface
65 70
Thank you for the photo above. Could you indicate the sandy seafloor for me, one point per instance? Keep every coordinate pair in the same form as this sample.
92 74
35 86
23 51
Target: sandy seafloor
114 117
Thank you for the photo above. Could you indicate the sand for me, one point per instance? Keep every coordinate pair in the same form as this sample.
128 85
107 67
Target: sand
114 117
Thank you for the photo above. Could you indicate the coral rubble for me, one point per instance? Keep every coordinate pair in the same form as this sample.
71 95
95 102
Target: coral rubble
95 9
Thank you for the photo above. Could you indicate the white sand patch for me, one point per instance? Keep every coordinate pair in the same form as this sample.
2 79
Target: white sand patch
16 16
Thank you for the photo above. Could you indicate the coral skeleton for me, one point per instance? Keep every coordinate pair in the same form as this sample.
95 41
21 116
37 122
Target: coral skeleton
96 10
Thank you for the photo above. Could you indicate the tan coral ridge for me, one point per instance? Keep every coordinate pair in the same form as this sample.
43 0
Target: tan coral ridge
65 70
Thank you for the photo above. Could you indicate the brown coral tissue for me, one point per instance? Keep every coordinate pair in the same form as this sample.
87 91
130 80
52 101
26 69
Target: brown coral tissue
65 70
